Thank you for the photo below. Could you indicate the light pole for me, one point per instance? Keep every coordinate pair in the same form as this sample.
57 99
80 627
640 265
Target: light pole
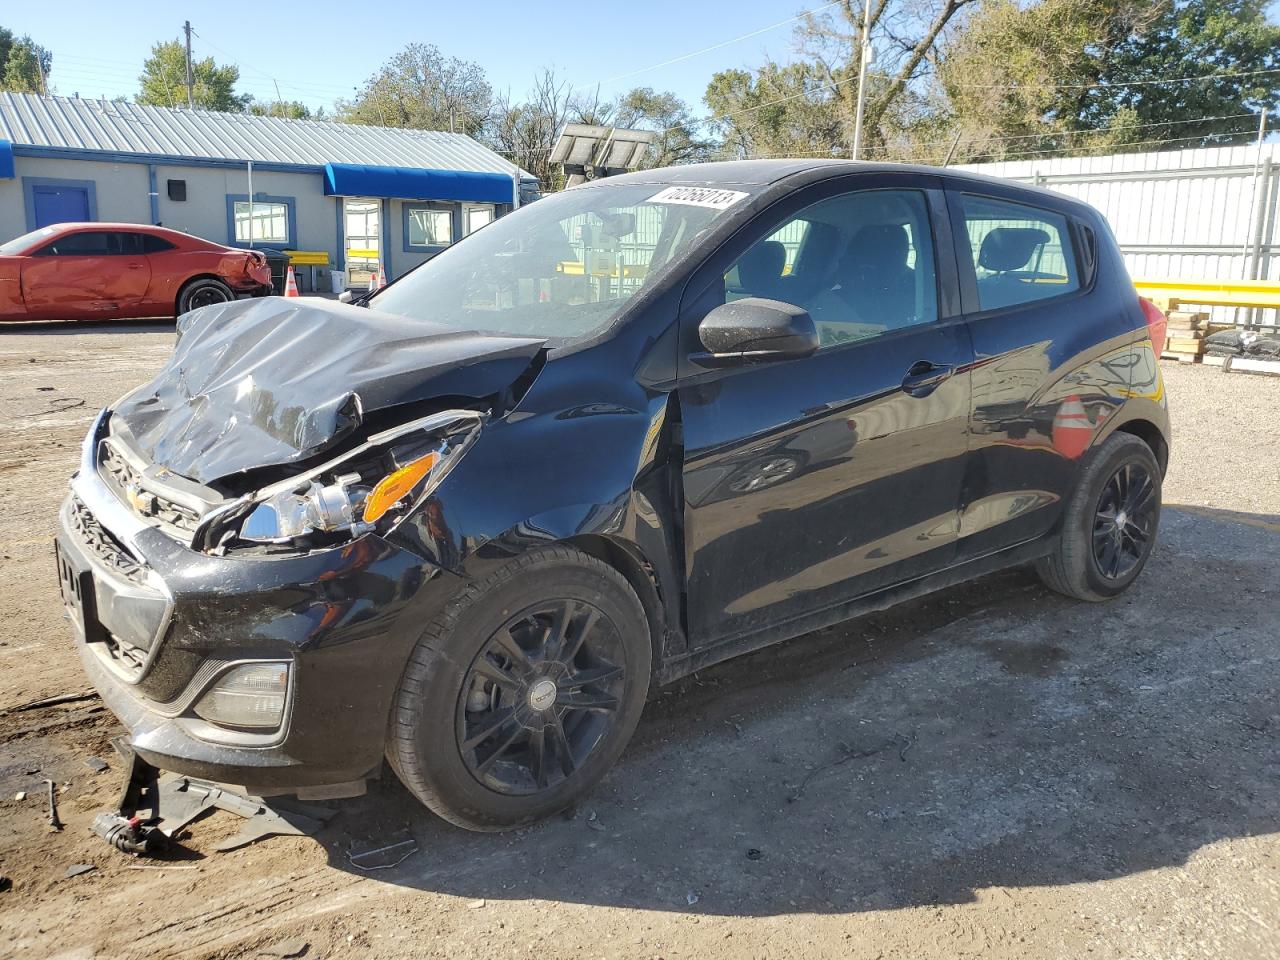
863 56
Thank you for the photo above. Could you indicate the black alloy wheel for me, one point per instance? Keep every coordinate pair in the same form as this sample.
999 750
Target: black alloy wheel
1123 524
1110 523
540 696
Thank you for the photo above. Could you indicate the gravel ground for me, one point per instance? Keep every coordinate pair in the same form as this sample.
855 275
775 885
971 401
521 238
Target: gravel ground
1226 435
991 771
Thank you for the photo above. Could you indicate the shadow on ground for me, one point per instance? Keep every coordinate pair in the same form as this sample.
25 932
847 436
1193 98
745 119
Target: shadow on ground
993 734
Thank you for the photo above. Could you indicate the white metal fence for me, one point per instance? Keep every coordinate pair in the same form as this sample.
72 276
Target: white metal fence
1206 214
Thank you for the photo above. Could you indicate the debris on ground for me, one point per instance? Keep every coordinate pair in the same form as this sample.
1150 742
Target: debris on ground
54 701
97 764
754 854
54 822
5 884
691 898
20 796
154 807
903 743
595 824
78 869
476 904
383 855
285 949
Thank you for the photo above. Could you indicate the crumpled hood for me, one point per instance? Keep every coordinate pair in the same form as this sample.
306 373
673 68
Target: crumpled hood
254 383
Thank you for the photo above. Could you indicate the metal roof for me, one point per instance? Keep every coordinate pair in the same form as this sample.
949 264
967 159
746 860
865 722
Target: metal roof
30 119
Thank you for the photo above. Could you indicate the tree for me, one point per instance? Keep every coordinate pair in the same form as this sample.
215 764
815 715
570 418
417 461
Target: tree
423 89
1194 39
809 105
776 110
24 64
524 132
1096 75
163 81
291 109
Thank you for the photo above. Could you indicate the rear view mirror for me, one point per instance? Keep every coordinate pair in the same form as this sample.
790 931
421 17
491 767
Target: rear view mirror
346 296
755 330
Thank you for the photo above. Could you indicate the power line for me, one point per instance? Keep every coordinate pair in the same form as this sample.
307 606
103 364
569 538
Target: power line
721 45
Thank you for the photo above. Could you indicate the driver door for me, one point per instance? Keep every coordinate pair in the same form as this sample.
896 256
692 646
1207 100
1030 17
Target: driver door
811 482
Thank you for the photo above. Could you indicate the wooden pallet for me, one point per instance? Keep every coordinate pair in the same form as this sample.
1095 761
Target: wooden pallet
1181 357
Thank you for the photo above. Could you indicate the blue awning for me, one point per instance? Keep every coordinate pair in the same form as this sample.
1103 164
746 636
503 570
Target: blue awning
6 160
409 183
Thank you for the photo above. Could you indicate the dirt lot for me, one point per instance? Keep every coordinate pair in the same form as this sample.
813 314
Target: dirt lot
992 771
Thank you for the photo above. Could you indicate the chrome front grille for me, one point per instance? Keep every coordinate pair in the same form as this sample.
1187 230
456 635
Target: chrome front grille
128 484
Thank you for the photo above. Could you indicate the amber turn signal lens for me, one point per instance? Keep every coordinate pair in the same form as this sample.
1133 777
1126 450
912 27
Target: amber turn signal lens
395 486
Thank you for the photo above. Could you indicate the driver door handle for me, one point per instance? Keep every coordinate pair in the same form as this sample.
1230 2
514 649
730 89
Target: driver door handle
924 377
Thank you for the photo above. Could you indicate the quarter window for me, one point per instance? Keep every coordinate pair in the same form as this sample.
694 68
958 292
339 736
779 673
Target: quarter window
1020 254
266 223
430 227
861 263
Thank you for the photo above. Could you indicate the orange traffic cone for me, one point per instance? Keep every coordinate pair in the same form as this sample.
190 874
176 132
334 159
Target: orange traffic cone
291 284
1072 430
382 276
373 278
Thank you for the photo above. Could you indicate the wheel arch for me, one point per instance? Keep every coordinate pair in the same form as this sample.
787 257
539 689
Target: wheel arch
627 560
1152 436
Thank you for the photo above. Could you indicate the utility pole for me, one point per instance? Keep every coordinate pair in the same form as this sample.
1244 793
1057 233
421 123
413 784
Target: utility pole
863 56
191 101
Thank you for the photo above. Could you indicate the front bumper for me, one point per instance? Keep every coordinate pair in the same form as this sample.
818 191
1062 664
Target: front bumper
156 623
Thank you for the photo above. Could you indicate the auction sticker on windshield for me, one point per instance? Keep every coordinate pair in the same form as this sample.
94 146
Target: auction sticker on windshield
698 197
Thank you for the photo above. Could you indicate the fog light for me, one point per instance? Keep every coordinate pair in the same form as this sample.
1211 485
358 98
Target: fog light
251 695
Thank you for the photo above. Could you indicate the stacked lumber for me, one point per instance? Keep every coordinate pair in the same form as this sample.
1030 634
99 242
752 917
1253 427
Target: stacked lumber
1184 337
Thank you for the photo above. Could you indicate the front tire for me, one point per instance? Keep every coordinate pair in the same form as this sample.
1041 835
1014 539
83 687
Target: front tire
1110 524
523 692
203 292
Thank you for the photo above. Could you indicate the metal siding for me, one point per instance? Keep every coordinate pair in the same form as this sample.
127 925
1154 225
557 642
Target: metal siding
121 127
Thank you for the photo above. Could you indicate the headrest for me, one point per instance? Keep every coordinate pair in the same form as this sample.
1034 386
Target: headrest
761 266
878 246
1009 248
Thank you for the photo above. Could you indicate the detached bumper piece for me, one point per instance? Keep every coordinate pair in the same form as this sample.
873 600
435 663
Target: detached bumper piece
155 806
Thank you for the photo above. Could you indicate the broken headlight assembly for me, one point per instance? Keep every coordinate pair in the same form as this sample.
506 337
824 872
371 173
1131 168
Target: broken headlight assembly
368 489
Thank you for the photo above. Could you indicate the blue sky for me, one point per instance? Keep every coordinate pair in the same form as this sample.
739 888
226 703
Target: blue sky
320 51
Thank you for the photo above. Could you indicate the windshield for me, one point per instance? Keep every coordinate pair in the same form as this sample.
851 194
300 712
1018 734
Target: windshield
19 244
563 267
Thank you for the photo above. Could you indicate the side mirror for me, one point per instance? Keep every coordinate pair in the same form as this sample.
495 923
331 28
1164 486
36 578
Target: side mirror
346 296
755 330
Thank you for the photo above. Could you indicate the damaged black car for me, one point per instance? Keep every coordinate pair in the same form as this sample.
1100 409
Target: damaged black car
635 428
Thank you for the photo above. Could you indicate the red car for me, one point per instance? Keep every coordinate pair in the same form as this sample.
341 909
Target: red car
75 271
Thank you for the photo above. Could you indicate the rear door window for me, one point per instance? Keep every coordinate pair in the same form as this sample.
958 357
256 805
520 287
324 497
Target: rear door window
1020 254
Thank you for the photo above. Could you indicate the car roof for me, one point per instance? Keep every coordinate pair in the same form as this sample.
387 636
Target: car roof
766 172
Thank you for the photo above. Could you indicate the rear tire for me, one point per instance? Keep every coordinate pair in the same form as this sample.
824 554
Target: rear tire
1110 524
203 292
523 692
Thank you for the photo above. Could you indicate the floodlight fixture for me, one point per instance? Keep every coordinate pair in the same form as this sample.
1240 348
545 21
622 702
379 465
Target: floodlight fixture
589 151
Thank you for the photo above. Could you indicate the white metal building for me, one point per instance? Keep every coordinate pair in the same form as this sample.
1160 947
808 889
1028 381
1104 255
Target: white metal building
361 194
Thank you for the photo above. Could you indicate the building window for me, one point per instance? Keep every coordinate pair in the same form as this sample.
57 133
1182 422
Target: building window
476 216
429 226
261 222
272 222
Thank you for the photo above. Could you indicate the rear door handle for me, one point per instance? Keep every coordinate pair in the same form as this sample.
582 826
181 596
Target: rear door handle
925 376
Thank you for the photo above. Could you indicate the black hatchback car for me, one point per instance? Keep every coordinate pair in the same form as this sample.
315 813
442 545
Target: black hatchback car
630 430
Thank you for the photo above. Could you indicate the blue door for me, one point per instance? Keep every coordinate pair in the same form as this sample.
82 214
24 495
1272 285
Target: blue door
55 204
